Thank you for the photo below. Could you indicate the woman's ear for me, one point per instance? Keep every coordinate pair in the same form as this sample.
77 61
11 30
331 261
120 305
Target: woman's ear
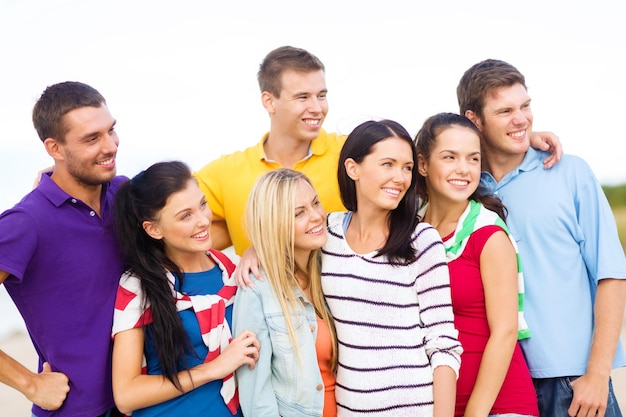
352 168
422 165
152 229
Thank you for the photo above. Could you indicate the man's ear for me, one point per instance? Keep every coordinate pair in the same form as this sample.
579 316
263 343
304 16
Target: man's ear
352 169
471 114
152 229
267 99
53 147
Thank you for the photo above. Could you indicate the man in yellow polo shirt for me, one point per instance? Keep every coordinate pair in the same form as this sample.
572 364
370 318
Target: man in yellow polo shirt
293 91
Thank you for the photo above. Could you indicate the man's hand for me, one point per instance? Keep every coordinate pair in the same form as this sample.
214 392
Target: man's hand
548 142
39 174
249 262
49 389
591 393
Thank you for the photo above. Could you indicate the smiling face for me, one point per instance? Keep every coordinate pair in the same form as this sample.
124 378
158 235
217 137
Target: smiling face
452 171
384 176
88 150
183 224
301 108
309 223
506 123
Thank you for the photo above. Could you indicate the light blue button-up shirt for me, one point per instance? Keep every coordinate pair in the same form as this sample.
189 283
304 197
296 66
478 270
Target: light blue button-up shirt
568 242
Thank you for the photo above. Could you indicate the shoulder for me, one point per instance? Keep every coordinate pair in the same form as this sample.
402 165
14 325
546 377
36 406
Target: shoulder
328 142
479 237
426 232
129 288
116 183
232 159
32 206
334 139
426 239
222 260
572 173
334 220
261 289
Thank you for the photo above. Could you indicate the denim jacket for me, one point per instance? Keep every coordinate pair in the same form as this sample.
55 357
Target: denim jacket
279 384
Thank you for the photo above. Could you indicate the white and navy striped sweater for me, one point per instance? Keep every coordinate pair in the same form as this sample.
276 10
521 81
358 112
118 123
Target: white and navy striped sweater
394 324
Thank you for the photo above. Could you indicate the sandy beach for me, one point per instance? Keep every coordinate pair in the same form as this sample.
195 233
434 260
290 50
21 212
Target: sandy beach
19 347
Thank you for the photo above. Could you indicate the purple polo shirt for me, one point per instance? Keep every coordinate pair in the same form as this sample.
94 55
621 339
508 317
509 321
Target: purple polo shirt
65 267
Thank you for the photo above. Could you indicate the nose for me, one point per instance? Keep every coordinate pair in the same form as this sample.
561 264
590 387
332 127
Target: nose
204 220
399 174
315 105
519 117
461 166
110 143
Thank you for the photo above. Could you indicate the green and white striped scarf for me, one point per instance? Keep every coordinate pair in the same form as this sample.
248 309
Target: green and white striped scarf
473 218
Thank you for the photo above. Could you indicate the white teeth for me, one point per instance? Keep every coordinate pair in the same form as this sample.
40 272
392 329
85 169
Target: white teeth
316 230
459 182
107 162
391 191
201 234
312 122
518 135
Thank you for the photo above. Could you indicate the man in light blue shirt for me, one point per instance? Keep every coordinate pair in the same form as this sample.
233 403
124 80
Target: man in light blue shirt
574 264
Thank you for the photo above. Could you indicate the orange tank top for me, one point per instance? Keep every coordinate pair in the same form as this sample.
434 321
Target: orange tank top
323 347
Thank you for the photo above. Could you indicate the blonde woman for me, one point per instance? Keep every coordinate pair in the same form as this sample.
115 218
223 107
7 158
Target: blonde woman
285 308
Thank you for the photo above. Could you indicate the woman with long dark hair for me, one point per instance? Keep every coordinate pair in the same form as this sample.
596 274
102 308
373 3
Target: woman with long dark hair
385 279
172 352
485 272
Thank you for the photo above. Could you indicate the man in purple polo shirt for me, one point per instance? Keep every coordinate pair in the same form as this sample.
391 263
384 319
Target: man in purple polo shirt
59 259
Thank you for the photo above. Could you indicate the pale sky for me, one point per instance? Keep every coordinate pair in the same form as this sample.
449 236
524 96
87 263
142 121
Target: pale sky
180 76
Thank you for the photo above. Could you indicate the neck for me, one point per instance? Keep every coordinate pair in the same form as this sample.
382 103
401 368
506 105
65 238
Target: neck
367 231
499 164
87 193
285 150
444 216
192 261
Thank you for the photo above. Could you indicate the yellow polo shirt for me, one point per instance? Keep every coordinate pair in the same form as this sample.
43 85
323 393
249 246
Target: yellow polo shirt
228 180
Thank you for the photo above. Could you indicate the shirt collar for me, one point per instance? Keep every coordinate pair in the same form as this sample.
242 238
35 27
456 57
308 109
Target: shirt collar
319 145
532 160
54 193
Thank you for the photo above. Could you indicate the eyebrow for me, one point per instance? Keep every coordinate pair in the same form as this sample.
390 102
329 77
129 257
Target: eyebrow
315 198
308 93
457 152
388 158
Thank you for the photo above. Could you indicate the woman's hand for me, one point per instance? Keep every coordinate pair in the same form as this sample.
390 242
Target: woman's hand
242 350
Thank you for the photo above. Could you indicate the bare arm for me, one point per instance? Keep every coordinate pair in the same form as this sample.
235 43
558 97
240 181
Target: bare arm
444 391
549 142
48 389
498 268
133 390
219 235
591 390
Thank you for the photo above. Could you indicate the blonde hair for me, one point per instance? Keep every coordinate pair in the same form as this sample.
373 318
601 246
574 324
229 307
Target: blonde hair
270 226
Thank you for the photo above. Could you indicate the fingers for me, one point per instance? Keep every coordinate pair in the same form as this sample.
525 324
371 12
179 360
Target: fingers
51 388
248 262
250 347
